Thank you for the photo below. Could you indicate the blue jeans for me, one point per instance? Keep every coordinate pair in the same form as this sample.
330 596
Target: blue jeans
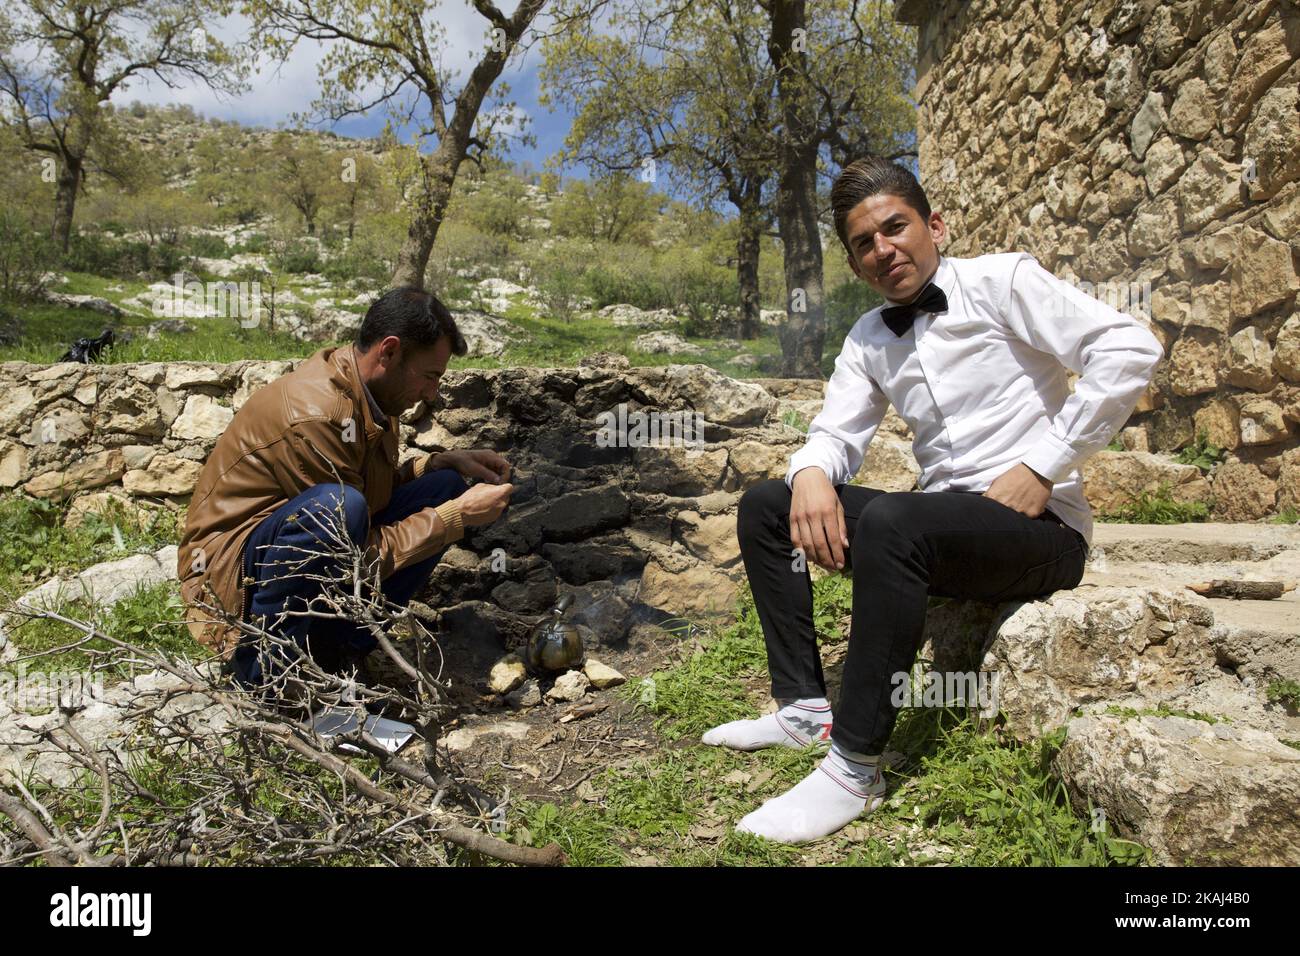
274 559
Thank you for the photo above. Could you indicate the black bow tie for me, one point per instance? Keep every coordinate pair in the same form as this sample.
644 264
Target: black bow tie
899 317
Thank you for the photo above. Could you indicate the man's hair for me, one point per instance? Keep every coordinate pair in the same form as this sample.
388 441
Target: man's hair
416 317
867 177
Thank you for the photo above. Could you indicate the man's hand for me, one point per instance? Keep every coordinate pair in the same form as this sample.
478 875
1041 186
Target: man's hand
817 519
483 503
473 463
1021 489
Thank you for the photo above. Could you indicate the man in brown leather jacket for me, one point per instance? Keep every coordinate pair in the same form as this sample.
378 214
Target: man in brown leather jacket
319 448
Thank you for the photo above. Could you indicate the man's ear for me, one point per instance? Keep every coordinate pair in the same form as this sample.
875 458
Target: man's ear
938 228
390 351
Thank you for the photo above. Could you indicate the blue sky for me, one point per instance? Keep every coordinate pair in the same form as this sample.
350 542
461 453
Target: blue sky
277 93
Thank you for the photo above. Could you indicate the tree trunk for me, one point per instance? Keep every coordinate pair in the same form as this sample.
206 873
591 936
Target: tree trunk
65 200
438 175
804 332
747 251
439 170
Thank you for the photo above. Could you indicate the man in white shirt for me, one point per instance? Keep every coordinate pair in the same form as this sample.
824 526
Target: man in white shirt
973 354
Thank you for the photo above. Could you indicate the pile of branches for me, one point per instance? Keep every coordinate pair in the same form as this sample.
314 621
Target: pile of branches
215 772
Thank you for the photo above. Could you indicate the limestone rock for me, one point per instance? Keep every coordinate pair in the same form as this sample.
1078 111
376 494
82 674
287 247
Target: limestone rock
1113 479
889 466
717 397
1148 120
1193 792
756 461
712 539
93 471
1263 58
507 674
1262 274
1209 190
253 376
696 590
1242 492
1272 142
1262 423
602 676
13 463
107 583
1221 421
1286 351
203 418
680 471
629 315
166 475
568 687
130 407
1248 361
1090 644
527 694
1194 111
1193 365
669 343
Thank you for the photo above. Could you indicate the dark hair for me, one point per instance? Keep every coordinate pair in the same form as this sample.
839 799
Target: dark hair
867 177
416 317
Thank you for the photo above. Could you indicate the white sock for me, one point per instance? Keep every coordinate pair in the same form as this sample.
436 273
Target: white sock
842 787
797 724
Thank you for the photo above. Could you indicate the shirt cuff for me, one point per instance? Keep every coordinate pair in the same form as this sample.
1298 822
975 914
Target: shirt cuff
452 520
1051 458
798 462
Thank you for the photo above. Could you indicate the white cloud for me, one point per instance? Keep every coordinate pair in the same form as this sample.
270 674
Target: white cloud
292 87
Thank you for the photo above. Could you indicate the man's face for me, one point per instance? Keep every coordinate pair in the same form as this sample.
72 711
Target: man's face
892 248
409 375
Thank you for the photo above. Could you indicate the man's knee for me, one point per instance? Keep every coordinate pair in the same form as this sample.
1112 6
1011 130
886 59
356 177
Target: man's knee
885 516
335 508
440 485
766 497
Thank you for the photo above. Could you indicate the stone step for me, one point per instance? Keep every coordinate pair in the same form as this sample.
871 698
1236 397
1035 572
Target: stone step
1194 543
1175 556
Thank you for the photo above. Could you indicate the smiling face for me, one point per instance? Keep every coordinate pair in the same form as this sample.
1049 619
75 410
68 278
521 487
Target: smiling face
403 377
892 248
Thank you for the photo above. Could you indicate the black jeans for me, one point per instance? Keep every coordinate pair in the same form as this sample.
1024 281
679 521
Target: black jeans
904 548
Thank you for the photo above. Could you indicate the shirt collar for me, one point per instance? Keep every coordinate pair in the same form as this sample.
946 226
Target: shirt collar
377 414
381 419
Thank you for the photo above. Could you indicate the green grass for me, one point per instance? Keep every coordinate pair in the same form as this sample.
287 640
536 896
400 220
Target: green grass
961 789
546 342
151 617
1202 453
1286 516
794 420
1158 508
38 543
1164 711
1286 692
539 341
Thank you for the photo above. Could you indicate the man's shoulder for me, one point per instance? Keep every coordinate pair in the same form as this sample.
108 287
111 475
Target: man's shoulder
314 391
996 265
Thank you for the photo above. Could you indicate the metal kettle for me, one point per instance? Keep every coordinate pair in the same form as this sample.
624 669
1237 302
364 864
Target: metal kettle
555 644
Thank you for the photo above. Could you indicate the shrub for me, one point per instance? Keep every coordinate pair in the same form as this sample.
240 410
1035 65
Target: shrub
25 256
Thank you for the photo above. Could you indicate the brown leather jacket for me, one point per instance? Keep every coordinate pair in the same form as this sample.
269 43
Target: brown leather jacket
280 443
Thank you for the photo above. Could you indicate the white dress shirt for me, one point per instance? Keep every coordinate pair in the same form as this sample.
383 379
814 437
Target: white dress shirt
983 385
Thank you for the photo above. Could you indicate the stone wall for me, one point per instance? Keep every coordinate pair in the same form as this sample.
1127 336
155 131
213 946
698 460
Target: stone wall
1151 150
636 527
